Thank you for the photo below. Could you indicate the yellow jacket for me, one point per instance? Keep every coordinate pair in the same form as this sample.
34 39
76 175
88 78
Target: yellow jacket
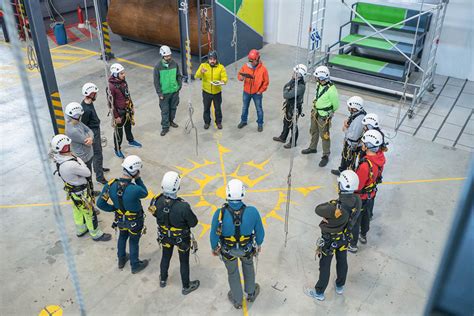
216 73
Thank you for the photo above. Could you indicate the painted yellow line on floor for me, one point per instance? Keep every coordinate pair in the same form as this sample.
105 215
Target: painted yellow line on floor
424 181
32 205
135 63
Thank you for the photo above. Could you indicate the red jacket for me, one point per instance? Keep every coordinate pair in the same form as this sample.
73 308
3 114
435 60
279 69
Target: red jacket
260 81
363 171
120 101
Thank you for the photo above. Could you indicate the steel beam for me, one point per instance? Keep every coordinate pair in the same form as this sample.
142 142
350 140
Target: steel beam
101 19
183 10
45 63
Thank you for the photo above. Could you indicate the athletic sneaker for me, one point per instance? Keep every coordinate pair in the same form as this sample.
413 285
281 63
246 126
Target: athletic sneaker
363 239
339 289
134 143
119 154
311 292
352 249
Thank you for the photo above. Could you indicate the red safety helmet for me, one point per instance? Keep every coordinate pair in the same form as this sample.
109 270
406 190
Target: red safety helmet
254 54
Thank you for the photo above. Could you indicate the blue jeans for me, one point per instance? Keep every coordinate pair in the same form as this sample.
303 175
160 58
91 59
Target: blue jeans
133 244
257 99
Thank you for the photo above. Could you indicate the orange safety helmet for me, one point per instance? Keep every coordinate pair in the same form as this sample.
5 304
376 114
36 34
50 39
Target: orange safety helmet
254 54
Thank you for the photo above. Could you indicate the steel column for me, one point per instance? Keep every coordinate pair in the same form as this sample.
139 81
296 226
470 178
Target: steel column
102 19
38 33
183 9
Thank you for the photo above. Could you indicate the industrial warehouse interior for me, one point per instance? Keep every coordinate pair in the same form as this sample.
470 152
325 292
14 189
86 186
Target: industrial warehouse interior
303 157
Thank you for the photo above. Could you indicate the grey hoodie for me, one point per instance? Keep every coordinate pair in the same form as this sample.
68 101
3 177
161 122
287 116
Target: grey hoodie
78 133
71 171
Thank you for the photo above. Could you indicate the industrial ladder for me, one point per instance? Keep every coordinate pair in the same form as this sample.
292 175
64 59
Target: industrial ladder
316 27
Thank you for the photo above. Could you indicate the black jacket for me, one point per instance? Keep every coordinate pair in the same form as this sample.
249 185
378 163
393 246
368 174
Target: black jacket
338 217
180 215
289 91
90 117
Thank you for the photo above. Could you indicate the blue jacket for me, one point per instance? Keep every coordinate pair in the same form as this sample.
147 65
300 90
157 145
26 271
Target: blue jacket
251 223
131 196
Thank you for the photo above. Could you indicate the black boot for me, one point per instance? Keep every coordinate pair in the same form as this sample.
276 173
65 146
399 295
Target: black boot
141 265
193 285
237 305
122 261
278 139
336 172
251 297
324 161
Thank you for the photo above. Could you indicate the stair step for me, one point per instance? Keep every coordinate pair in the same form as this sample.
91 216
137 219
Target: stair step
377 43
369 66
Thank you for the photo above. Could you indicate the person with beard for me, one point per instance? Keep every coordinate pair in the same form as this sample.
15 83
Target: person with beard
299 71
168 81
122 108
91 120
213 75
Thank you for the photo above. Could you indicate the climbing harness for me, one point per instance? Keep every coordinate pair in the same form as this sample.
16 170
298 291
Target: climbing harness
206 28
295 122
43 152
372 187
183 6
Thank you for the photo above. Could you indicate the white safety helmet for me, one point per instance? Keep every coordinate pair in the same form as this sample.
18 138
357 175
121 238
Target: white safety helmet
371 120
348 181
165 51
116 68
132 164
235 190
356 103
59 142
372 139
74 110
301 69
170 183
89 88
322 73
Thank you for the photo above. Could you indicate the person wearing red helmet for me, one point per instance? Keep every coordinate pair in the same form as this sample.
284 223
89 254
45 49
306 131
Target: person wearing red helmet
256 81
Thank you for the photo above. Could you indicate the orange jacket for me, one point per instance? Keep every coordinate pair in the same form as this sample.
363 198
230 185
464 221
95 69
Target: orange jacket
259 81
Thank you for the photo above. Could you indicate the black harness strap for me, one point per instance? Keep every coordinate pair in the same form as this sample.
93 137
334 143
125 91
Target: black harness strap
320 94
353 117
121 186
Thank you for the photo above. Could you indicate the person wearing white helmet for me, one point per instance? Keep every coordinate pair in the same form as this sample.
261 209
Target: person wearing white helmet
338 218
74 173
353 129
81 136
91 120
167 79
122 108
126 193
370 175
325 103
371 121
213 76
289 91
175 219
237 233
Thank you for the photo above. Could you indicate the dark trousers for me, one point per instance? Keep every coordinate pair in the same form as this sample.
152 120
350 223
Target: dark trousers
288 124
325 270
118 134
89 179
168 107
362 224
348 157
207 99
183 264
133 245
98 159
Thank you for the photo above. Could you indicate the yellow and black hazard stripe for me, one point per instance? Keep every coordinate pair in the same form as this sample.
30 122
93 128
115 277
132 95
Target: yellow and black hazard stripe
58 112
105 32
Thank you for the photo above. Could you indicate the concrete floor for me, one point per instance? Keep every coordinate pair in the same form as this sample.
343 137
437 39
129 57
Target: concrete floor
392 274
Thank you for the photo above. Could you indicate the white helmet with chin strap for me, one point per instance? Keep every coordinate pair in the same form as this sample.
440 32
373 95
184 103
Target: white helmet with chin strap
59 142
132 165
235 190
372 139
356 103
165 51
89 88
372 120
116 68
301 69
170 183
322 73
348 181
74 110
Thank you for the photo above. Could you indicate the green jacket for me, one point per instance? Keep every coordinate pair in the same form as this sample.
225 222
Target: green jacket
326 102
167 78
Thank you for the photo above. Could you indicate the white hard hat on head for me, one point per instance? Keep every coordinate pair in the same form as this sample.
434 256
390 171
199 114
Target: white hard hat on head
348 181
372 139
165 50
74 110
59 142
301 69
170 183
116 68
235 190
321 72
371 119
356 103
132 164
89 88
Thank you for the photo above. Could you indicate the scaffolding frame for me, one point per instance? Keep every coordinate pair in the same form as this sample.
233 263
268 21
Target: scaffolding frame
315 32
410 90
